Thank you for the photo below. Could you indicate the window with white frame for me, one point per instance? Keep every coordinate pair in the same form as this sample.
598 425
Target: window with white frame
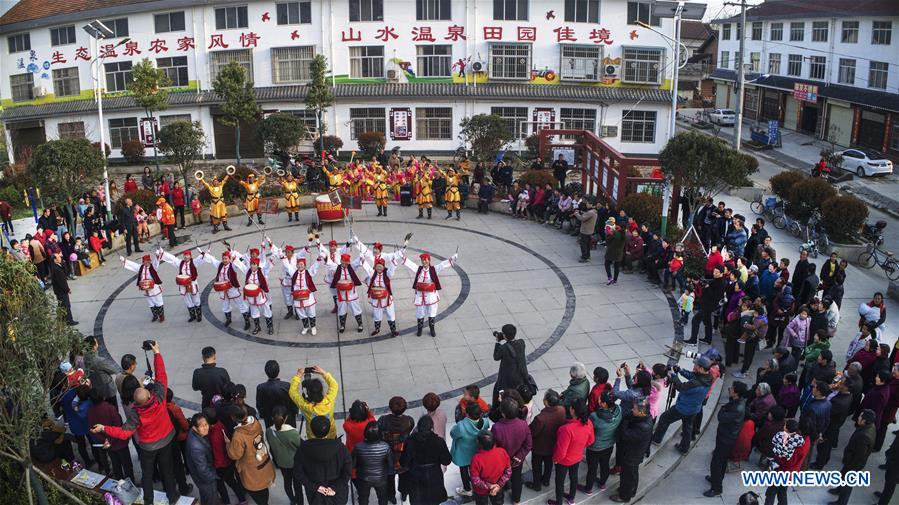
641 11
755 61
756 30
774 63
638 126
513 117
794 65
578 119
725 31
227 18
118 26
878 74
739 30
510 61
176 70
819 31
849 32
432 10
724 60
367 61
510 10
797 32
65 82
122 130
71 130
847 71
582 11
220 59
434 60
366 10
21 87
19 43
434 123
62 35
367 119
307 117
173 118
292 64
169 22
643 65
817 67
581 63
776 31
751 100
882 32
294 13
118 76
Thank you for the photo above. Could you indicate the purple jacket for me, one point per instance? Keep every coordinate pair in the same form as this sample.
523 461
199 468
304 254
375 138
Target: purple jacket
514 436
876 399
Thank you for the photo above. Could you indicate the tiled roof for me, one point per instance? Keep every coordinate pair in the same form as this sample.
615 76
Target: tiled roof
27 10
372 92
773 9
696 30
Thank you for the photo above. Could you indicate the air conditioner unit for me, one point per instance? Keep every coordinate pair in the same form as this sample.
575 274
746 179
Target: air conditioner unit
391 75
610 70
479 66
40 91
608 131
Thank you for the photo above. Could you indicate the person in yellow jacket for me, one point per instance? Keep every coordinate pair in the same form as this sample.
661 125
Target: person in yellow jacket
335 178
291 188
379 178
424 195
451 197
218 211
166 216
313 401
251 201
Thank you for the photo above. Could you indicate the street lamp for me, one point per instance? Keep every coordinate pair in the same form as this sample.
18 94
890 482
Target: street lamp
98 31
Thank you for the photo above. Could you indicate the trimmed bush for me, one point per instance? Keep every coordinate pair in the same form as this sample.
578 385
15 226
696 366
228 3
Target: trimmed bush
13 196
538 178
371 143
333 144
843 217
644 208
97 147
782 183
143 197
808 195
133 151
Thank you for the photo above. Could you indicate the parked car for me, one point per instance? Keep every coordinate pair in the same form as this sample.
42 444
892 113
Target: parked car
865 162
723 117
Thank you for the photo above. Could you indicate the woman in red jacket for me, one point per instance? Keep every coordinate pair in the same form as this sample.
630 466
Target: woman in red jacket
224 466
354 425
572 438
178 202
130 184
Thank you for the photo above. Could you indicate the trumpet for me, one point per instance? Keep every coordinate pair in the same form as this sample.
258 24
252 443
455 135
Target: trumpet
198 175
230 169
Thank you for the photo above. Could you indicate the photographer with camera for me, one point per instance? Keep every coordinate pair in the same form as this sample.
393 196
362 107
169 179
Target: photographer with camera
513 364
712 292
587 216
148 417
314 401
689 401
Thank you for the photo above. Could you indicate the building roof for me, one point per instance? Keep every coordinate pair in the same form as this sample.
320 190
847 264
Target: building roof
787 9
695 30
27 10
372 92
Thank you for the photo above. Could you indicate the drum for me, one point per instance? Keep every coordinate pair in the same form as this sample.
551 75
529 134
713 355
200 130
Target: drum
426 286
378 293
328 212
301 294
345 286
222 286
183 280
147 284
251 290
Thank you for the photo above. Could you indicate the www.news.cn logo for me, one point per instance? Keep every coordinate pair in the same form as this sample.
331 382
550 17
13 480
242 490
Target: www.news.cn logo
830 478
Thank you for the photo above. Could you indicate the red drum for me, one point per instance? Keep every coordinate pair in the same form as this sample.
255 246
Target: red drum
222 286
426 286
147 284
301 294
329 212
251 290
345 286
183 280
378 293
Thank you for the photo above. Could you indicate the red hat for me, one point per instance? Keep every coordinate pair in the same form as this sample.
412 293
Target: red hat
333 243
379 261
425 256
226 254
146 257
377 245
345 257
301 260
254 251
254 261
288 248
186 253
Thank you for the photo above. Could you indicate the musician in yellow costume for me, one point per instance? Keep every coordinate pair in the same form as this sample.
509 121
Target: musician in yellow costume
335 178
291 189
352 178
251 201
424 195
218 211
452 198
378 178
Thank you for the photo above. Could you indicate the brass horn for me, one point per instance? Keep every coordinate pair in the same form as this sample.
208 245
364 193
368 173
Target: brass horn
198 175
267 170
230 169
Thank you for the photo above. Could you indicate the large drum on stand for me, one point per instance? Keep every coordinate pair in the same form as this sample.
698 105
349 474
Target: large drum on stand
329 212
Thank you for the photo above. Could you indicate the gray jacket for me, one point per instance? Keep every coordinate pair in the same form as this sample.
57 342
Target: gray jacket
101 371
588 221
199 459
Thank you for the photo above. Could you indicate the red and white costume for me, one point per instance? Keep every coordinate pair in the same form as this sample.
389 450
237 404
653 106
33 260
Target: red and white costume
390 259
260 304
227 272
426 284
345 276
302 284
147 274
288 257
332 261
186 266
380 294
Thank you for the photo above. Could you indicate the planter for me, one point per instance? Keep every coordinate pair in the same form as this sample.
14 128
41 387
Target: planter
748 193
848 252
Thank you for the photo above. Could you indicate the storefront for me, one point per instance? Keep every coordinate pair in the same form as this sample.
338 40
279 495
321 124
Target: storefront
839 122
871 129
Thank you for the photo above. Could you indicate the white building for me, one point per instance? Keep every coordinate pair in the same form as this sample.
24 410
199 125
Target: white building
411 68
825 67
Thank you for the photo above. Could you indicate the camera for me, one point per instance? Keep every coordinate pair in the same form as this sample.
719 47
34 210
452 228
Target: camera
692 354
499 335
148 345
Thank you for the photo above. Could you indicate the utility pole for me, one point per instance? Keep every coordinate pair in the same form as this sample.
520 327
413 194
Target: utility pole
738 121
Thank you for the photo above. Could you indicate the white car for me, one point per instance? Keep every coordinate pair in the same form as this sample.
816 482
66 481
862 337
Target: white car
865 162
723 117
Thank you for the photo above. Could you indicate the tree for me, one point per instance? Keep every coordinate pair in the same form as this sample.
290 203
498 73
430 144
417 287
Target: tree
371 144
238 99
183 142
34 339
319 95
705 165
282 131
486 133
150 92
66 168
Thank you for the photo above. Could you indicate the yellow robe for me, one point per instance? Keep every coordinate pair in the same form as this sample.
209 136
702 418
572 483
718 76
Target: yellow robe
251 201
379 183
218 211
335 179
452 198
425 196
291 195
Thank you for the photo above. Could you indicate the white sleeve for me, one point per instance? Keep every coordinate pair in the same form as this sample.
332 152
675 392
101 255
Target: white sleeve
369 270
410 265
288 267
130 265
212 260
170 259
443 265
313 268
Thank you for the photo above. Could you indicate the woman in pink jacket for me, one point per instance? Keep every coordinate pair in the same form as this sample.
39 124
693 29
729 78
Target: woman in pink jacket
572 438
796 334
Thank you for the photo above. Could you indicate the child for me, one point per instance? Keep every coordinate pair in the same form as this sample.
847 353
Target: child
686 304
472 394
97 245
788 396
82 252
196 208
674 273
746 319
143 229
524 198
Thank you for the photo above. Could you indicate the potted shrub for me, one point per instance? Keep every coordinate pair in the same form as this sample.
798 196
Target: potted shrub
538 178
133 151
782 183
371 144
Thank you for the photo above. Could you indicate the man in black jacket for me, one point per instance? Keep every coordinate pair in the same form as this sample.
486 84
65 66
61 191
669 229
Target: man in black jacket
809 286
855 456
840 407
513 366
560 170
634 436
708 303
323 466
209 379
730 421
129 226
785 361
59 281
892 474
272 393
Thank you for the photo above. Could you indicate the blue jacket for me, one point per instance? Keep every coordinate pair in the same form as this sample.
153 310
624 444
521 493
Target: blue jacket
199 459
691 394
766 283
736 240
605 427
465 439
486 192
820 412
77 419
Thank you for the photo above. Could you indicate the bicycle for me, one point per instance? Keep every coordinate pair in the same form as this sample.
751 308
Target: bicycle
785 222
872 256
816 239
771 207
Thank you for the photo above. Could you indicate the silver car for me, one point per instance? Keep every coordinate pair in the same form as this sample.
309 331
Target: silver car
723 117
865 162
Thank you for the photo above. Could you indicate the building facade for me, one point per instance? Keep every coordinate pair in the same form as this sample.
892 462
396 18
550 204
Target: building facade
412 69
825 67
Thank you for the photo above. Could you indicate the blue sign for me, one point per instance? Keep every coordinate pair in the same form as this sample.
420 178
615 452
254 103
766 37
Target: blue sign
773 132
33 68
46 65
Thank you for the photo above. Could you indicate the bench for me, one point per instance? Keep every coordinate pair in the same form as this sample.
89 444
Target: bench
80 269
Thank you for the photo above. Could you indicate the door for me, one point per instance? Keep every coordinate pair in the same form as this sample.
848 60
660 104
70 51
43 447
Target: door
809 120
25 139
871 129
790 113
251 145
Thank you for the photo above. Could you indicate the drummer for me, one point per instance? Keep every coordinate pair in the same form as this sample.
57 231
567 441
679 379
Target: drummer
426 284
149 283
187 282
228 287
331 255
244 262
380 296
303 291
345 282
218 211
288 258
255 292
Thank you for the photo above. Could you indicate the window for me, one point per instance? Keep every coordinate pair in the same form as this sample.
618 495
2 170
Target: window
21 87
176 69
797 31
434 123
819 31
725 31
65 82
118 76
432 10
794 65
882 32
581 63
756 31
847 71
170 22
513 116
754 61
642 65
367 61
19 43
434 61
774 63
850 32
510 10
878 72
724 61
73 130
118 26
62 35
578 119
295 13
510 61
367 120
777 31
122 130
642 12
582 11
172 118
366 10
308 118
751 100
292 64
231 17
739 31
219 59
817 67
638 126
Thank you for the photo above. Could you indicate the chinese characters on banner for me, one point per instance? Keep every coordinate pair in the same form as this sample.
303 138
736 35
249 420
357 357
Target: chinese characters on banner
805 92
400 122
148 131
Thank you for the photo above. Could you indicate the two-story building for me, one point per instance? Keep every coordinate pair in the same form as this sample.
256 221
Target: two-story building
412 69
825 67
